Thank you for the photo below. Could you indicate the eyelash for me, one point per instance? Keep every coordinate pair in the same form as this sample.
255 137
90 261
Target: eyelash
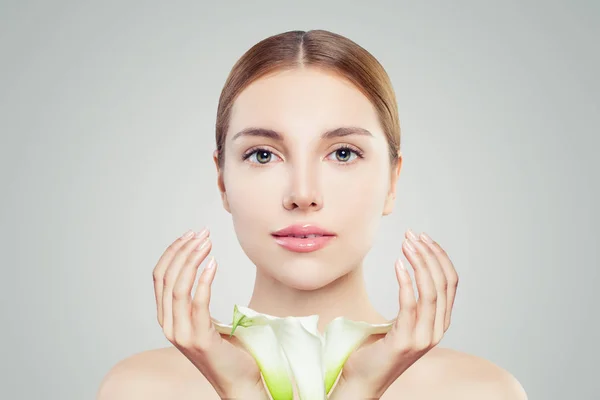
256 149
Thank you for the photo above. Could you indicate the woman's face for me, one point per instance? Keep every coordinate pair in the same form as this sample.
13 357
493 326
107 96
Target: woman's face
286 173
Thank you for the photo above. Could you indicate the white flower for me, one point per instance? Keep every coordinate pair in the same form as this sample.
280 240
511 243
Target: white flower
292 348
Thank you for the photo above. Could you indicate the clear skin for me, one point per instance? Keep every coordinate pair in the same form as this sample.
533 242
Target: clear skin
186 322
304 179
305 182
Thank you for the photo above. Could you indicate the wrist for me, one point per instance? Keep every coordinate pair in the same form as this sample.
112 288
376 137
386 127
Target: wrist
353 390
255 395
252 392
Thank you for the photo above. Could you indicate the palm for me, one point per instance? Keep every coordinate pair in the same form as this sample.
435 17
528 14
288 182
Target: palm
420 325
235 358
364 360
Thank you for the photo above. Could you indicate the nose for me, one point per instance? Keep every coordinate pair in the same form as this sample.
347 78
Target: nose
303 192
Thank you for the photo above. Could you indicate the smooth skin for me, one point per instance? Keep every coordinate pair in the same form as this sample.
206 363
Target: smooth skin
300 178
372 371
186 320
420 325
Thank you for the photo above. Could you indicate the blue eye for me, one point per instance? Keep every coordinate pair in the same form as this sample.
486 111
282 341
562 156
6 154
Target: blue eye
346 154
343 155
259 156
262 156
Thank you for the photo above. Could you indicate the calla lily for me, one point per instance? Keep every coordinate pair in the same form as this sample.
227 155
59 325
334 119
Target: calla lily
290 349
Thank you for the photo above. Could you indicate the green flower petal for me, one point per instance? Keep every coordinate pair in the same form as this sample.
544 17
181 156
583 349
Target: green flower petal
342 337
292 347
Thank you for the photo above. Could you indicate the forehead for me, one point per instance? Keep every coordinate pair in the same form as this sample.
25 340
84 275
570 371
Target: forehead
304 100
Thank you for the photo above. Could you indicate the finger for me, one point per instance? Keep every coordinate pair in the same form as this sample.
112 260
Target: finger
160 268
402 336
170 277
405 322
182 297
449 272
426 305
439 279
201 321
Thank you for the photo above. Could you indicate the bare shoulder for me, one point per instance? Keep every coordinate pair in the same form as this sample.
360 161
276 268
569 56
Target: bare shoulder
451 374
155 375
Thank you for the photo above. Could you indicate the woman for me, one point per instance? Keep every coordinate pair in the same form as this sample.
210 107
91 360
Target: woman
308 143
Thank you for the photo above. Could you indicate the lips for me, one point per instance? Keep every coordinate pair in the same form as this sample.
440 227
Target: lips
302 231
303 238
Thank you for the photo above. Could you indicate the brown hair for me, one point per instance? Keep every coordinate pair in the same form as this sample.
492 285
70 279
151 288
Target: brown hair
315 48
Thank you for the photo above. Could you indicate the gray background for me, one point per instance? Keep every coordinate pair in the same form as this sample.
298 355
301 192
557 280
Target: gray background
107 114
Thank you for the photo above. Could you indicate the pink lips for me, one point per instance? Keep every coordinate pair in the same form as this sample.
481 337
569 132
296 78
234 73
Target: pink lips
294 238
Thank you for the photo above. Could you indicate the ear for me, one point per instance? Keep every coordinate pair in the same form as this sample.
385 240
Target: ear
221 182
391 196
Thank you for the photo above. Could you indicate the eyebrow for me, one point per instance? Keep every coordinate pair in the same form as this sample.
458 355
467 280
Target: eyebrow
271 134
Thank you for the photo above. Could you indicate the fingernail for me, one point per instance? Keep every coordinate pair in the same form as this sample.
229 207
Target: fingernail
401 264
426 238
412 235
203 244
211 263
188 234
410 246
202 233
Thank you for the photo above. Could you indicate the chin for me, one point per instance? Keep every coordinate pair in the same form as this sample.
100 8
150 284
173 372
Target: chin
306 274
304 283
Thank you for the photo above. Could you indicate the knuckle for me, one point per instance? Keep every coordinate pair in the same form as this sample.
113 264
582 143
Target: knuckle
455 280
401 351
400 348
193 244
443 285
172 249
411 307
200 297
168 279
426 250
180 294
198 307
430 297
452 281
423 344
182 341
439 249
201 345
447 325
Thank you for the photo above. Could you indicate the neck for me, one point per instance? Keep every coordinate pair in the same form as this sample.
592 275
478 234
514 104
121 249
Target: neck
345 297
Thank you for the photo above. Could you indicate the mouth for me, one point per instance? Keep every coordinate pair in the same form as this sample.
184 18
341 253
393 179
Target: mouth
303 238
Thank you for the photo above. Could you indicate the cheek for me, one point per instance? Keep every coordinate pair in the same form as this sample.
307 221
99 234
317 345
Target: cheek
254 200
357 194
356 200
353 204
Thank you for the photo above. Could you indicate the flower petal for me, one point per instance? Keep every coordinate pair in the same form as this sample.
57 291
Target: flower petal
301 344
304 351
342 337
261 343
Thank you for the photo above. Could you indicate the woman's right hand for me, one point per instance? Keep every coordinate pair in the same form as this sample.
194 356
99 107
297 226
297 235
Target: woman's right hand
187 324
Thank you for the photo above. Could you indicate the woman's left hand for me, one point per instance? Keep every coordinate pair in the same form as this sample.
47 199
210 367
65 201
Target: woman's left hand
419 327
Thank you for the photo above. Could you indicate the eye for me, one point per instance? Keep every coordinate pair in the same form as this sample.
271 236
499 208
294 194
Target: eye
345 154
259 156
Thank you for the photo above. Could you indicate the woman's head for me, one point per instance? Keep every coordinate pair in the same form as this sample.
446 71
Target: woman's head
307 133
